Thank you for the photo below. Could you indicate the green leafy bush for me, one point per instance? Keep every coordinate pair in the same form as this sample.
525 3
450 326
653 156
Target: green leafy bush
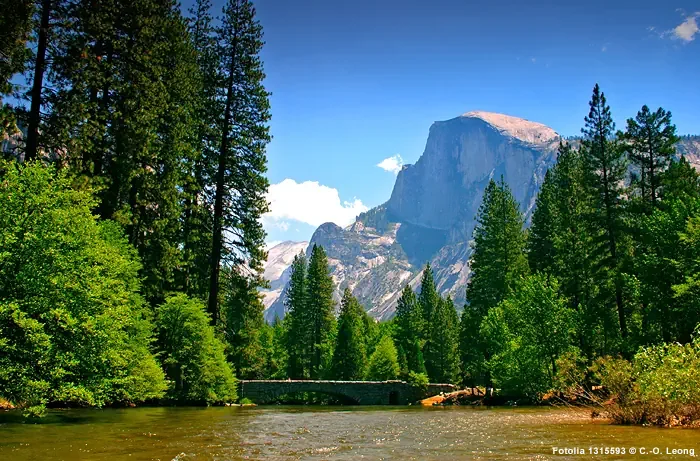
418 380
193 357
659 386
73 328
526 334
384 362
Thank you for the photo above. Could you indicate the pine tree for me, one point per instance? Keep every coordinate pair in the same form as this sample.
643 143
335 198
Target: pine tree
415 361
320 308
498 261
606 168
409 325
197 219
427 300
15 27
540 241
298 338
680 181
350 357
441 349
125 86
574 257
499 257
650 140
243 323
240 184
471 347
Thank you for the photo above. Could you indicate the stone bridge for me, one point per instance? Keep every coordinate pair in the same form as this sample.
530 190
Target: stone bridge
360 392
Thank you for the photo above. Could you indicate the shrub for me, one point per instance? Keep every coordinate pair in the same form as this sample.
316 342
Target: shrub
659 386
73 328
193 357
384 362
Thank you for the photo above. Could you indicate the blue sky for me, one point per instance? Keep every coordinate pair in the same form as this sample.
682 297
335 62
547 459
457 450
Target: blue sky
357 82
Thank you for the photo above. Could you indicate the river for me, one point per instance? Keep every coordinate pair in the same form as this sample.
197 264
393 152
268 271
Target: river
334 433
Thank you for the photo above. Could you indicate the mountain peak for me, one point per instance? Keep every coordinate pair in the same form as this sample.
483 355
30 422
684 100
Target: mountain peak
519 128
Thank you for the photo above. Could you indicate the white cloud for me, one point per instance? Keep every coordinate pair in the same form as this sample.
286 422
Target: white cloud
687 30
604 49
282 225
309 202
391 164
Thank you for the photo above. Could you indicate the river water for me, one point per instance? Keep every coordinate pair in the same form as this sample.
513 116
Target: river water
334 433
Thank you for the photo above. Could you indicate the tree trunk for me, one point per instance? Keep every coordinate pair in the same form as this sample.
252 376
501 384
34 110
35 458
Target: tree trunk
38 84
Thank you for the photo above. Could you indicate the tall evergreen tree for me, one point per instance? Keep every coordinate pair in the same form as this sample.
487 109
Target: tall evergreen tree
197 219
606 168
472 361
498 261
243 324
298 338
540 239
320 308
499 257
441 349
46 10
650 138
240 184
350 355
125 83
428 299
409 325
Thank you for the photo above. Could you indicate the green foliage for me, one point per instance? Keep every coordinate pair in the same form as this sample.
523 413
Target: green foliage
15 26
499 243
298 338
384 362
650 138
541 249
193 357
240 163
408 326
73 328
498 261
428 300
606 166
659 386
680 181
320 310
526 334
350 356
442 347
471 348
418 380
242 322
274 342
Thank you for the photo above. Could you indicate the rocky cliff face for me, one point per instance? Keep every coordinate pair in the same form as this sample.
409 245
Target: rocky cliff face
276 271
431 214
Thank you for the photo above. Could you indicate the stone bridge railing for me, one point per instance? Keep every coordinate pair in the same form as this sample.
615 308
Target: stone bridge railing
360 392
